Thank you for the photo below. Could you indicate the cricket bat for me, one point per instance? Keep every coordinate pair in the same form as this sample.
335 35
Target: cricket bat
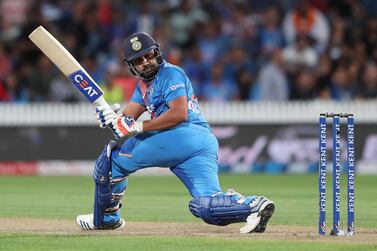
67 64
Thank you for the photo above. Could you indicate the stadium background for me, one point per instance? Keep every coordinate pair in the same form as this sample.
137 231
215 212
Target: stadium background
261 88
261 71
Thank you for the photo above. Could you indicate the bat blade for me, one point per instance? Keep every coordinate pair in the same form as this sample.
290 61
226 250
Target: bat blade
72 69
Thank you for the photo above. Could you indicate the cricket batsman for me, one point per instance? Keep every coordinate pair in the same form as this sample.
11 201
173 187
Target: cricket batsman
177 137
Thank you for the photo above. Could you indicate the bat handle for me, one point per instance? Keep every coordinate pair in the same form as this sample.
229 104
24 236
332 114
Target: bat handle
100 102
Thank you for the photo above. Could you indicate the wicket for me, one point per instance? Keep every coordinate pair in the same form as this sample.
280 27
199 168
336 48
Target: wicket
336 161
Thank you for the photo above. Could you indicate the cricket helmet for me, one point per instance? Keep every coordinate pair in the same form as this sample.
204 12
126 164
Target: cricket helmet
138 47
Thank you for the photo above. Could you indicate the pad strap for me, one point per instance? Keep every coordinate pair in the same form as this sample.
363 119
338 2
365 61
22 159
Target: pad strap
220 209
115 203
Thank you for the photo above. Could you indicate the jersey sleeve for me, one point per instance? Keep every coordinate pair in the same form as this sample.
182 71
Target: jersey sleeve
137 97
173 85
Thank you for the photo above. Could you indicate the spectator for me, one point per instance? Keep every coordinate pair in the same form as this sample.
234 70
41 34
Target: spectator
40 80
15 92
93 68
3 93
183 20
304 19
211 43
5 63
13 15
354 69
242 36
244 80
369 81
123 79
61 90
143 19
370 34
105 16
19 84
341 86
218 89
240 29
323 75
304 86
235 60
301 54
270 35
113 92
337 38
196 69
272 81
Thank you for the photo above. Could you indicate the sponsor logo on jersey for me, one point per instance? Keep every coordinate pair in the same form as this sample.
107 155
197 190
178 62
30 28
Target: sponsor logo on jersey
175 87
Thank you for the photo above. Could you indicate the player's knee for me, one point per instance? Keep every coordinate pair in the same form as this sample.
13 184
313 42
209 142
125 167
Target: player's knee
103 164
220 209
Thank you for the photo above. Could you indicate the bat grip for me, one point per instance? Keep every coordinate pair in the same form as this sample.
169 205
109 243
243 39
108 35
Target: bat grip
100 102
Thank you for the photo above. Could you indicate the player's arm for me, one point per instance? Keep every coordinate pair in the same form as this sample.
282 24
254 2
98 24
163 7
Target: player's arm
173 92
176 114
134 109
126 126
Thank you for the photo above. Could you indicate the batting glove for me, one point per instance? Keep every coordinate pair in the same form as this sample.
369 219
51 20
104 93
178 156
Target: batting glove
105 115
125 126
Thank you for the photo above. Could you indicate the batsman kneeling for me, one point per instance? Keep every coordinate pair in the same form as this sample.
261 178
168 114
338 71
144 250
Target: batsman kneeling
177 137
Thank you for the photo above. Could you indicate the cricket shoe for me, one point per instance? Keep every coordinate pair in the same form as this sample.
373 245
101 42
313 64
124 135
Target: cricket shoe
261 211
85 221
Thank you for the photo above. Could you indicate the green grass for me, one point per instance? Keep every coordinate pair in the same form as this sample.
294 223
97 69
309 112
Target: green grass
41 243
165 199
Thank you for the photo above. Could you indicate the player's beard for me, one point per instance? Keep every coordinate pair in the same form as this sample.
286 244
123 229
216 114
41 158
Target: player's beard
149 72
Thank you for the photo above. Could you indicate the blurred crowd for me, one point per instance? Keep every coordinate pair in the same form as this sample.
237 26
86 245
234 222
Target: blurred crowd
231 50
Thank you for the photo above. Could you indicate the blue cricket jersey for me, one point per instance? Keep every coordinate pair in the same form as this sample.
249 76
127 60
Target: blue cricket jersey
189 149
170 83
